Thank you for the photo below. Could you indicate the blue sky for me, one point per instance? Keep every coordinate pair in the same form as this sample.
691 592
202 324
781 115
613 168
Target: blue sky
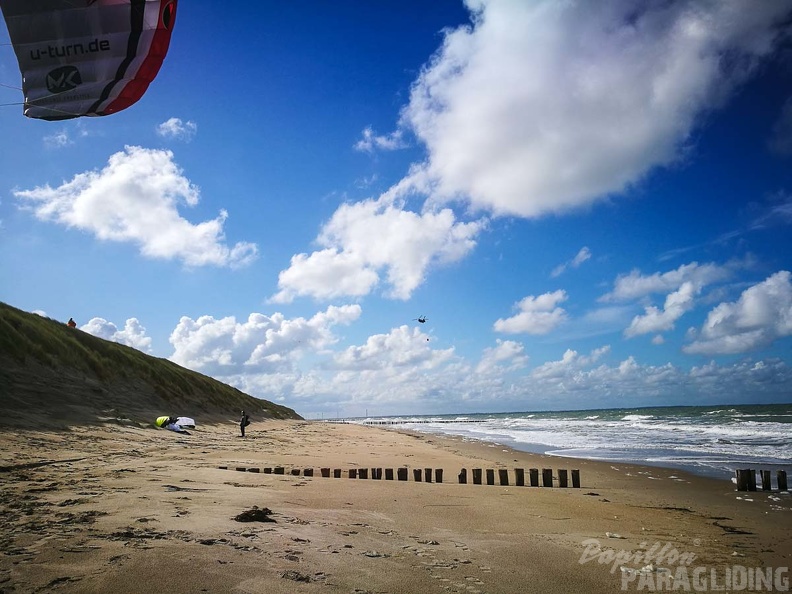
591 203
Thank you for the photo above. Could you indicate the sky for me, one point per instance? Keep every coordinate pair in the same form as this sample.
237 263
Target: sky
589 203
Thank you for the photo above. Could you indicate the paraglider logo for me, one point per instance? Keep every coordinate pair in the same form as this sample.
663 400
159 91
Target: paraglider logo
65 78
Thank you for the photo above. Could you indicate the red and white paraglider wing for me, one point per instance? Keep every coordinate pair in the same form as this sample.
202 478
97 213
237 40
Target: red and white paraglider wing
87 57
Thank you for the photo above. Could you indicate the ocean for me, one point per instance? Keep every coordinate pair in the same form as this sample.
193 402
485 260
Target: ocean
705 440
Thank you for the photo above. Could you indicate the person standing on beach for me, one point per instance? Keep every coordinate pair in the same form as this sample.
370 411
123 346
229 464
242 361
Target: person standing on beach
244 421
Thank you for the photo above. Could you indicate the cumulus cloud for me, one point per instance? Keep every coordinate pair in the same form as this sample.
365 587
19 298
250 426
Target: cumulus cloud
135 198
636 285
403 348
133 334
583 255
388 142
659 320
506 355
536 108
261 344
541 107
369 240
570 362
177 129
761 315
537 315
298 362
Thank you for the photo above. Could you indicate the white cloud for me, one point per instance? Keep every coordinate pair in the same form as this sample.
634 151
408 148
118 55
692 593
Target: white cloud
537 315
656 320
583 255
371 141
570 362
177 129
58 140
261 345
404 348
368 239
636 285
507 355
781 140
135 199
326 274
545 106
541 107
400 370
761 315
133 334
777 211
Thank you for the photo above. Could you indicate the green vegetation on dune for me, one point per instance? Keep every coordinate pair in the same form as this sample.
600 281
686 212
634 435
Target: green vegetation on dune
29 341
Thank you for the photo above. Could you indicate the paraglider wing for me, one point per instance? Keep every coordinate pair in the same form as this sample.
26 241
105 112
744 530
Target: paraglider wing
173 424
87 57
186 422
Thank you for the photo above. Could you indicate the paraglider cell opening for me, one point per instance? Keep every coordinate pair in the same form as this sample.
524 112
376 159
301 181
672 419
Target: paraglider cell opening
167 15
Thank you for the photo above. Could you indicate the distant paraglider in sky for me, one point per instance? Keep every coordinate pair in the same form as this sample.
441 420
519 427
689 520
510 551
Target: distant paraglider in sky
420 319
87 57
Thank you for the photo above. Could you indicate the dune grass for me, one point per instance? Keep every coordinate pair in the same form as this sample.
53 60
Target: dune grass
25 337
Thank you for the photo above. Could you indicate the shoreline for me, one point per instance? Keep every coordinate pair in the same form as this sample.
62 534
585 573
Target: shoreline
114 508
700 463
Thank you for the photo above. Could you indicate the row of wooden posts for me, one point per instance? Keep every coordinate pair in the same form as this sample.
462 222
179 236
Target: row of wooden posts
428 475
746 479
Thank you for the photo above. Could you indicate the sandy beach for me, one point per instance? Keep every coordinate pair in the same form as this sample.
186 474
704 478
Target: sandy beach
129 509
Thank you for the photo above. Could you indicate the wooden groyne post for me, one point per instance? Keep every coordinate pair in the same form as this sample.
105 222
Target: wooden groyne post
477 476
481 476
767 478
746 479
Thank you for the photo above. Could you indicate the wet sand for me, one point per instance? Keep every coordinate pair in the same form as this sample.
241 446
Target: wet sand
128 509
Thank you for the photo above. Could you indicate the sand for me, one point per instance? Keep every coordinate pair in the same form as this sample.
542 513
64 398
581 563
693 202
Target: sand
115 508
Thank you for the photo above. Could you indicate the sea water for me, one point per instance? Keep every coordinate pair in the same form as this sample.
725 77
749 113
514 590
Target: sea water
710 441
